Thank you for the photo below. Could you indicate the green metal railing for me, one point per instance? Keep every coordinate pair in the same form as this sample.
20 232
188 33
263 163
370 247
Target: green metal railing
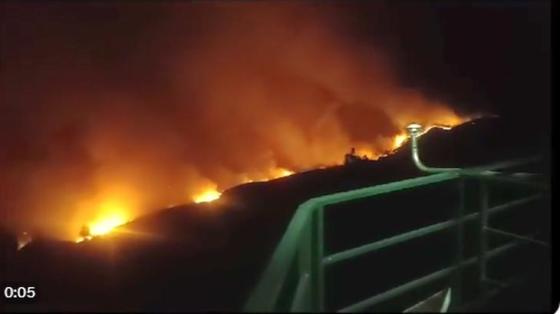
303 242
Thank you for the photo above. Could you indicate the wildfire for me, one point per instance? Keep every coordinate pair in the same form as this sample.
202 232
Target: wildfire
207 195
440 126
210 193
393 143
113 214
272 174
399 140
281 172
106 224
210 121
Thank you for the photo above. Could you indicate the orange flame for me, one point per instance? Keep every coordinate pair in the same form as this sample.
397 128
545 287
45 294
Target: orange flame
112 212
115 213
210 192
398 140
280 173
207 196
107 224
251 94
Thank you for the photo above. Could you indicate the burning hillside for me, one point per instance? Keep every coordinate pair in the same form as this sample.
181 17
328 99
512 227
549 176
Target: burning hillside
214 253
137 107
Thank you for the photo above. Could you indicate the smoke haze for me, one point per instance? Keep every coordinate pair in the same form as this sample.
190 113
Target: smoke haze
138 106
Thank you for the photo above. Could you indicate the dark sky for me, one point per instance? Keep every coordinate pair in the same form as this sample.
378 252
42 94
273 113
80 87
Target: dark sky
488 54
484 53
152 100
493 54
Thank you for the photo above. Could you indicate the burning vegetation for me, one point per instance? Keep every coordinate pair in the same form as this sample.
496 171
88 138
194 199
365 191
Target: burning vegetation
185 101
207 195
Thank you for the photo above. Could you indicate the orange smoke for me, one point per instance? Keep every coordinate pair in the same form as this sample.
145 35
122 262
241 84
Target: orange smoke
216 94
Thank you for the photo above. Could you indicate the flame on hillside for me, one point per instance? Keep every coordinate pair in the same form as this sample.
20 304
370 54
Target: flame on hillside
220 93
207 195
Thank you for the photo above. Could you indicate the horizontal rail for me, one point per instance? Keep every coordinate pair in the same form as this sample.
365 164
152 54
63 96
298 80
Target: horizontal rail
516 236
354 252
495 283
383 188
369 302
501 178
414 182
502 165
518 202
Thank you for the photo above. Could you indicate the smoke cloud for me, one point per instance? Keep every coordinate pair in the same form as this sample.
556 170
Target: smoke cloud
144 105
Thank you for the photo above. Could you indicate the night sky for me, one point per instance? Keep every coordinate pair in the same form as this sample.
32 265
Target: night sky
489 54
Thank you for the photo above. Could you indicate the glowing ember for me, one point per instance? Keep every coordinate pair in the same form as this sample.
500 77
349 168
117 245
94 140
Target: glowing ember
206 196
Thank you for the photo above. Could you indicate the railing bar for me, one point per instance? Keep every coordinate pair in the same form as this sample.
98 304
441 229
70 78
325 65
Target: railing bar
272 280
521 201
320 267
338 257
383 188
483 243
509 179
516 236
495 282
457 280
301 290
398 290
350 253
504 164
317 268
369 302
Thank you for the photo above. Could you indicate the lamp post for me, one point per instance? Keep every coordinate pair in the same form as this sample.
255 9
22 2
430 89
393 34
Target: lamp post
415 130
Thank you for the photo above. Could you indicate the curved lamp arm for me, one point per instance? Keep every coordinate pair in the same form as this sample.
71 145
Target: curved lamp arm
415 130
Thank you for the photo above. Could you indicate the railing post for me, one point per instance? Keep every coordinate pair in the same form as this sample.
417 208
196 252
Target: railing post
483 245
457 281
317 267
305 264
